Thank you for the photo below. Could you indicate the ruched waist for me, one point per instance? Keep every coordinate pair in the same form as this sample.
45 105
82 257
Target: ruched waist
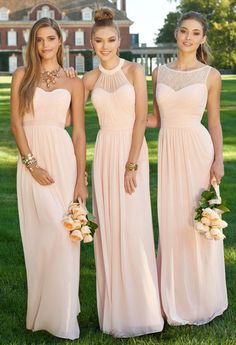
43 123
180 123
116 129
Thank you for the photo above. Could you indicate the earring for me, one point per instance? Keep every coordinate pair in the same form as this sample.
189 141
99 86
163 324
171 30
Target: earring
118 52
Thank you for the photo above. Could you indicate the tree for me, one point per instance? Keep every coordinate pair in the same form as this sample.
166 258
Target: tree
166 34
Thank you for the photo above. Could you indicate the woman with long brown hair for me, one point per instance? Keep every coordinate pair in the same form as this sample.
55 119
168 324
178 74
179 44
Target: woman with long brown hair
50 174
191 267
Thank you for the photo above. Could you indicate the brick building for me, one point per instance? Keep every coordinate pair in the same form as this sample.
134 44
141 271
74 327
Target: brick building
75 20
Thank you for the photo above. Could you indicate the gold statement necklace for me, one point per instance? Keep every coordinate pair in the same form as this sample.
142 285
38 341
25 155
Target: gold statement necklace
50 77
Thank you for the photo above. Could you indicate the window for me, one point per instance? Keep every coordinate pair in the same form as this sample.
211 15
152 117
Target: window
4 13
64 34
96 61
79 63
26 35
79 38
12 63
87 13
45 12
11 38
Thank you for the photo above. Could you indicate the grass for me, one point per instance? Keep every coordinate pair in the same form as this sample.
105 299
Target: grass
12 270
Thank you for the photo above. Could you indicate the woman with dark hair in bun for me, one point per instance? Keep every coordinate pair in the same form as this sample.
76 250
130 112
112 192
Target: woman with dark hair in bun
191 267
127 288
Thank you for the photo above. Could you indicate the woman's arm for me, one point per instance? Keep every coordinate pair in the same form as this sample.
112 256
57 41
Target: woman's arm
140 87
79 138
214 125
154 120
40 175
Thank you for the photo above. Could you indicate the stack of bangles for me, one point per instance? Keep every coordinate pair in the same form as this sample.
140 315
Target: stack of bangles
30 162
131 166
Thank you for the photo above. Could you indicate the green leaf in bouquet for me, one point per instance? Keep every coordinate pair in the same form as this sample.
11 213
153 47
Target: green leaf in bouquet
207 195
223 208
93 226
204 204
91 217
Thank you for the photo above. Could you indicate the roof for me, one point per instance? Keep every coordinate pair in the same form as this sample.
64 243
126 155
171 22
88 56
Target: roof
72 9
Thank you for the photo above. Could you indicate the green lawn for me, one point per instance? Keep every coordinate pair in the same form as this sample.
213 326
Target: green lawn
12 271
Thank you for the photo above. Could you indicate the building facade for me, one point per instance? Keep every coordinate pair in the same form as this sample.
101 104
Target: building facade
75 20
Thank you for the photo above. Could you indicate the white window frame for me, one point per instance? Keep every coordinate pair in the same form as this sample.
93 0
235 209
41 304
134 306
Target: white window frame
45 12
12 63
87 14
4 13
79 38
11 38
80 63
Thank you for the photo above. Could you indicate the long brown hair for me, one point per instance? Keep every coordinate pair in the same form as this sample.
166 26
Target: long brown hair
203 52
33 63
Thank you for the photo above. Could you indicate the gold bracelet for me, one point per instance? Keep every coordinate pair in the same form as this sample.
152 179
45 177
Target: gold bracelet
27 158
131 166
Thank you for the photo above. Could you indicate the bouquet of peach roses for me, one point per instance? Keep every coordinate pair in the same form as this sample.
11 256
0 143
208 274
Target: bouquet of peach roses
208 217
79 222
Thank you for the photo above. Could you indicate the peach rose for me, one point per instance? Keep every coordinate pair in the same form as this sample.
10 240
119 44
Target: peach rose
219 222
206 221
218 211
208 235
85 230
223 224
220 236
208 212
68 223
76 235
77 224
83 219
88 238
202 228
215 230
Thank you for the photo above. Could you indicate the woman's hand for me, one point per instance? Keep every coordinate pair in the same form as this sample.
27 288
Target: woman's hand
130 181
41 176
81 191
70 72
217 170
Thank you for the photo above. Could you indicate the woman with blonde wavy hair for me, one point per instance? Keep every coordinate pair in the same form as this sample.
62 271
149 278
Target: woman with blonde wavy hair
50 174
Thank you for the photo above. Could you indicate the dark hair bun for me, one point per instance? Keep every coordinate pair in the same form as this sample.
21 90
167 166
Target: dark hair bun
103 15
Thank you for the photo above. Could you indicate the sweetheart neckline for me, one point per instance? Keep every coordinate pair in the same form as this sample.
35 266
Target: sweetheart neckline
37 87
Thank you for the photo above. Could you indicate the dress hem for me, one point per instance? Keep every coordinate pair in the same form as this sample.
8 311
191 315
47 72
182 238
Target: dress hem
197 323
133 335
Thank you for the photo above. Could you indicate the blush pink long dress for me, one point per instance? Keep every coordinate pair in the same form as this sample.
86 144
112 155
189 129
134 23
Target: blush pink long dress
191 268
127 288
51 258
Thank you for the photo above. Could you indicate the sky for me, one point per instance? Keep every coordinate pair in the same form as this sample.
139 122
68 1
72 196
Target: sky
148 16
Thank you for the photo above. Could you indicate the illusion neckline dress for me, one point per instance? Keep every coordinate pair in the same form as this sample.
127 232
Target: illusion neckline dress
51 258
191 268
127 288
